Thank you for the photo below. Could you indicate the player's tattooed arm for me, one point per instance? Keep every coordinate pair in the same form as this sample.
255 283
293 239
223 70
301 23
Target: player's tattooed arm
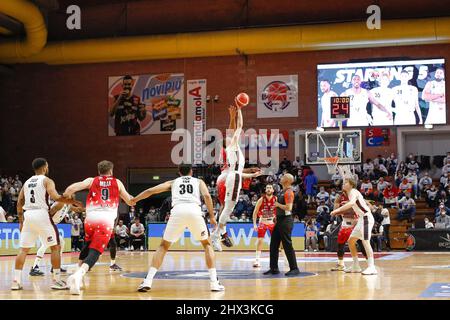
255 213
163 187
209 203
49 185
20 204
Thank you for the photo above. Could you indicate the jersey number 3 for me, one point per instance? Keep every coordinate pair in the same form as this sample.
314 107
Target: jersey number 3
186 188
32 199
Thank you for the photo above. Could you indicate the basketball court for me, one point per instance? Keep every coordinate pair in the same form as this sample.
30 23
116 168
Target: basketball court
184 277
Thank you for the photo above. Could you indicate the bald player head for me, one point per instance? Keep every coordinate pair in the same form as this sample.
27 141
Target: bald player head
287 180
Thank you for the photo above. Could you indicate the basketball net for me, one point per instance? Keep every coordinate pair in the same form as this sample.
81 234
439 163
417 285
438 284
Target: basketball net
345 172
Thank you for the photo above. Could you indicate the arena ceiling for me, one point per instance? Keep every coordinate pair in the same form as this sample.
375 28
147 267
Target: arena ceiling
114 18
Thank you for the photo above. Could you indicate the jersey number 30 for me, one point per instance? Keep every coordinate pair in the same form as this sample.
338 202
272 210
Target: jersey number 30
186 188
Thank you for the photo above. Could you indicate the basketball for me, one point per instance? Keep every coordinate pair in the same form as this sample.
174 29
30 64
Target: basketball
242 99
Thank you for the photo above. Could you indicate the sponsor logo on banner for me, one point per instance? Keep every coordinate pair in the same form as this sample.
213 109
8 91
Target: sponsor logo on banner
160 96
265 140
376 137
277 96
196 116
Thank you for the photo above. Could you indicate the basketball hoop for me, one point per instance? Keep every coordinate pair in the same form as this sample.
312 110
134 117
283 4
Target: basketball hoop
331 163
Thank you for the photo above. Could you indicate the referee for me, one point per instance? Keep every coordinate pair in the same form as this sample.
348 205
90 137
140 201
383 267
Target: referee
283 229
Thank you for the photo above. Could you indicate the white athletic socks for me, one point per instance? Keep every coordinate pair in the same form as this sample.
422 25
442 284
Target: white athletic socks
355 261
212 274
37 261
57 274
341 262
370 262
82 270
222 230
18 276
113 262
258 255
151 273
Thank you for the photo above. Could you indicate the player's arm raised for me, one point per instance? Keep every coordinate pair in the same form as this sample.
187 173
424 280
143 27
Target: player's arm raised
255 213
163 187
78 186
49 186
232 111
20 204
239 126
209 204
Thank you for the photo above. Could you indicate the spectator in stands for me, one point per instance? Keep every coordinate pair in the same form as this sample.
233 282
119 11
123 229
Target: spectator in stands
390 195
401 168
297 163
412 179
311 236
311 182
413 165
428 224
323 214
322 196
367 189
441 208
404 187
300 206
398 179
244 217
137 234
212 189
431 196
333 196
368 169
377 237
408 208
443 198
122 236
381 185
443 220
152 215
329 232
386 223
391 163
285 164
10 218
425 183
446 181
379 160
380 170
77 224
446 168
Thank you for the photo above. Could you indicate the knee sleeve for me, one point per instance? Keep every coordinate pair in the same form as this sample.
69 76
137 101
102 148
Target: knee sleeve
92 258
340 250
227 211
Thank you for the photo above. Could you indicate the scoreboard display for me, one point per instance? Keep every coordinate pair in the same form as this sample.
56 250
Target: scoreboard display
340 107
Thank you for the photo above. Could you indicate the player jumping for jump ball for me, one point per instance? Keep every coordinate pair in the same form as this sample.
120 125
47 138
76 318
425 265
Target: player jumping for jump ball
186 213
349 220
102 203
363 228
229 182
266 211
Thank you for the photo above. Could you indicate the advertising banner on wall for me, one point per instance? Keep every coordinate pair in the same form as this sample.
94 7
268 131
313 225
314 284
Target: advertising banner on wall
196 116
277 96
242 235
377 137
145 104
10 237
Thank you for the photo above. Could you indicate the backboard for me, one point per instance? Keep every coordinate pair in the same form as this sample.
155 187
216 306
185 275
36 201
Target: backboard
345 144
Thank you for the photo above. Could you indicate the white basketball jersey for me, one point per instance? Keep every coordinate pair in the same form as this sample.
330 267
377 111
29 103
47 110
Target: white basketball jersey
235 158
186 190
36 196
325 103
383 95
358 107
360 207
436 111
405 97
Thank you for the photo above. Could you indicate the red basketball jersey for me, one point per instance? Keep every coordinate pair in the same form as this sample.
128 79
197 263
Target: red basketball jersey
267 210
103 200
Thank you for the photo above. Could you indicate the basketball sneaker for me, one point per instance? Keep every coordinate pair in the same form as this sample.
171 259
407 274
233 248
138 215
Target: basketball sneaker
74 283
226 240
59 285
143 287
215 242
115 267
256 264
61 270
16 286
36 272
338 267
370 271
353 269
216 286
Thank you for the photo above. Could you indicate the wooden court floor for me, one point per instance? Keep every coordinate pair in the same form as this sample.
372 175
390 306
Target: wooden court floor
402 276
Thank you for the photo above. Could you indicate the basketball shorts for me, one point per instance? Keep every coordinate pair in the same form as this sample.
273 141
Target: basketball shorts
233 186
363 228
344 235
263 227
184 216
221 188
98 234
38 224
